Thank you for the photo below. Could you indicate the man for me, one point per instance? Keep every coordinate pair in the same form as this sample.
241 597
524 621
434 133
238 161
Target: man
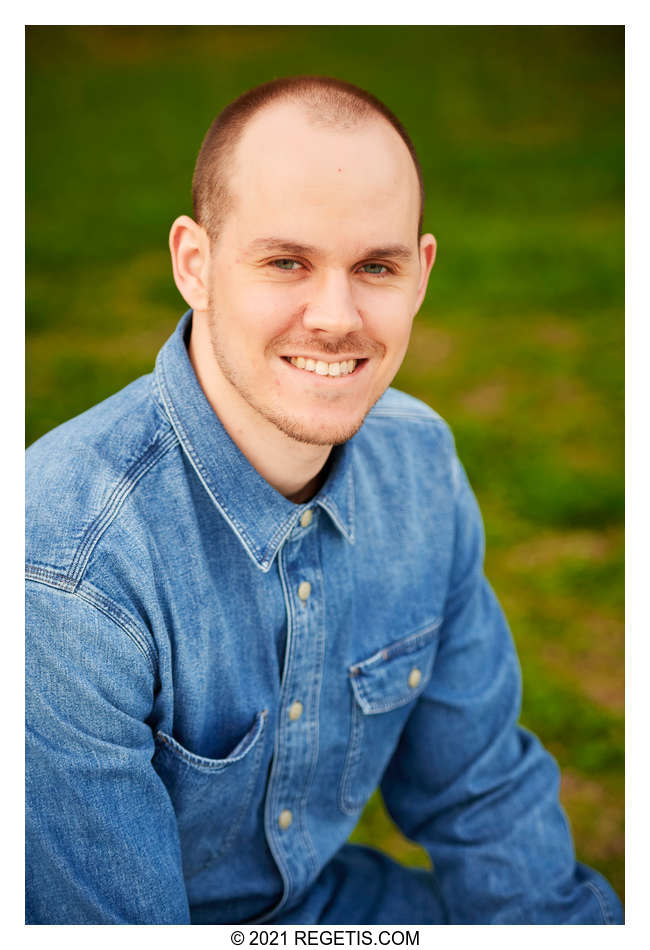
255 587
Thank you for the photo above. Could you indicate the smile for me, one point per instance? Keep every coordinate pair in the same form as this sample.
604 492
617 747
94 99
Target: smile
322 368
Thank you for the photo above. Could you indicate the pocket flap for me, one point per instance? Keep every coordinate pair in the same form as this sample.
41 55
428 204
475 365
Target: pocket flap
398 673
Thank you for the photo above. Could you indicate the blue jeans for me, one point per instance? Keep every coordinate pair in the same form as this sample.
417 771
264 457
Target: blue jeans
363 886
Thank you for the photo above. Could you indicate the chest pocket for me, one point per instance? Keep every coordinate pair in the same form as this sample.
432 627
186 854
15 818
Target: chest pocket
383 689
211 797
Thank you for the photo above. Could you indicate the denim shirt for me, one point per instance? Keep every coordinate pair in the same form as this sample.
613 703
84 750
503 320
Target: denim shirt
218 678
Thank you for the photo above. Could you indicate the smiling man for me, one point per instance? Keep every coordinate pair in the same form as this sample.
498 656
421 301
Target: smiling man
255 586
304 293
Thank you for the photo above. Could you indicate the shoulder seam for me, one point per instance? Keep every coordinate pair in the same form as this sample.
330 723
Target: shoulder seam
155 451
95 598
114 613
48 576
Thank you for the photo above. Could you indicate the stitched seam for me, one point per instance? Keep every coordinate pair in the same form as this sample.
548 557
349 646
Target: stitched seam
279 534
601 901
318 676
203 475
94 597
332 512
395 703
351 503
189 448
272 797
404 647
130 630
176 750
43 575
263 558
346 801
123 488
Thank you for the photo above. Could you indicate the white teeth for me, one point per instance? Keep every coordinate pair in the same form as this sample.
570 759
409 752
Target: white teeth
322 368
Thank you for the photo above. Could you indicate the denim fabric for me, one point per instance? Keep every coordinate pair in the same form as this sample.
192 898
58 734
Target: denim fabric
170 635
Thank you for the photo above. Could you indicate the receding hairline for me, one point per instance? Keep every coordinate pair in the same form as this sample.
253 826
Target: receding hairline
326 102
243 149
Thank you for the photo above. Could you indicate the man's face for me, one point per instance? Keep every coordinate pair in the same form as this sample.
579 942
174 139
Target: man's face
316 275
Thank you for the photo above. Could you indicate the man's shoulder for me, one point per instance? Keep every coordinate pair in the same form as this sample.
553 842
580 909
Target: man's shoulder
403 416
407 443
78 472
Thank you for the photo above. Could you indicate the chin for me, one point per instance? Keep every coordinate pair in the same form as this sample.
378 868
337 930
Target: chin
313 433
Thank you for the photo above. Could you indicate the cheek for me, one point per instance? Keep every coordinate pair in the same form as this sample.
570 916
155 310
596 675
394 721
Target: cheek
266 311
388 318
385 304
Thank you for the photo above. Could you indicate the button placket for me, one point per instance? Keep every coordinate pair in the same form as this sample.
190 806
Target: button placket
296 751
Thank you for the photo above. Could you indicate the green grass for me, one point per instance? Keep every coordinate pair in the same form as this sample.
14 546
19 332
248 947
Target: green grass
519 343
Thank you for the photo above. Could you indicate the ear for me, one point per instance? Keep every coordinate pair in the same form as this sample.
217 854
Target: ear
190 249
428 247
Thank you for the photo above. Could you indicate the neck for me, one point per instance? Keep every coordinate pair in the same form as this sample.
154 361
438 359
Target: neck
295 469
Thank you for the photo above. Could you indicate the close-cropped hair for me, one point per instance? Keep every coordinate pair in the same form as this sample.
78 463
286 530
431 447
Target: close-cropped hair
327 101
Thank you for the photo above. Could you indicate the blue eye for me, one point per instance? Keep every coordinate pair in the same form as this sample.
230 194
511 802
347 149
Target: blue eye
377 269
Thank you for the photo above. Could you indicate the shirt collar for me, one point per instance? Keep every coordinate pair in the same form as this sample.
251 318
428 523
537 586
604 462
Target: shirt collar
258 514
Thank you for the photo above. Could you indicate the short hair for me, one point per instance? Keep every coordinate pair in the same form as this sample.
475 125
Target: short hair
329 102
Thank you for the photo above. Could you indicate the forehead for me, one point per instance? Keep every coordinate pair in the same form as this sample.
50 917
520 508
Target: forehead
294 176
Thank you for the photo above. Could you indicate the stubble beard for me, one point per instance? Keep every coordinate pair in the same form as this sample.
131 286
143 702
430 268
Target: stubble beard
291 427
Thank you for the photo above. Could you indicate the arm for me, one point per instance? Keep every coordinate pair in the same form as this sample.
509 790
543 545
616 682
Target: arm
473 788
101 840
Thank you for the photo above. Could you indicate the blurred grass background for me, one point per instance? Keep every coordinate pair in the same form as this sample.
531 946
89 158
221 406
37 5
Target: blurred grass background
519 344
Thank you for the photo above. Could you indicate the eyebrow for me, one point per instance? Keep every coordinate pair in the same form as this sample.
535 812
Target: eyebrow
272 245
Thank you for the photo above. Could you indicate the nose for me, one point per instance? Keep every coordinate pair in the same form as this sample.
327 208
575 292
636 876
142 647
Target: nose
331 307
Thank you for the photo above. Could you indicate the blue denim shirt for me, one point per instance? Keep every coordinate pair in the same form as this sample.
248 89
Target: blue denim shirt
218 679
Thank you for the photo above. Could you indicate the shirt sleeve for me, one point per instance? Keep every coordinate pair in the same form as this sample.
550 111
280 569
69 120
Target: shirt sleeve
102 843
479 792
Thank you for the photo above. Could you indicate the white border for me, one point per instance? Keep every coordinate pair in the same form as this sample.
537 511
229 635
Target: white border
637 316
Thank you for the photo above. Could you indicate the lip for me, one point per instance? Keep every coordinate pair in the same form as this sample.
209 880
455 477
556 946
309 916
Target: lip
324 357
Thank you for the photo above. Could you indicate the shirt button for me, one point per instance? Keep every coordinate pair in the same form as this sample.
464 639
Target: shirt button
295 710
414 677
304 590
305 520
285 819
